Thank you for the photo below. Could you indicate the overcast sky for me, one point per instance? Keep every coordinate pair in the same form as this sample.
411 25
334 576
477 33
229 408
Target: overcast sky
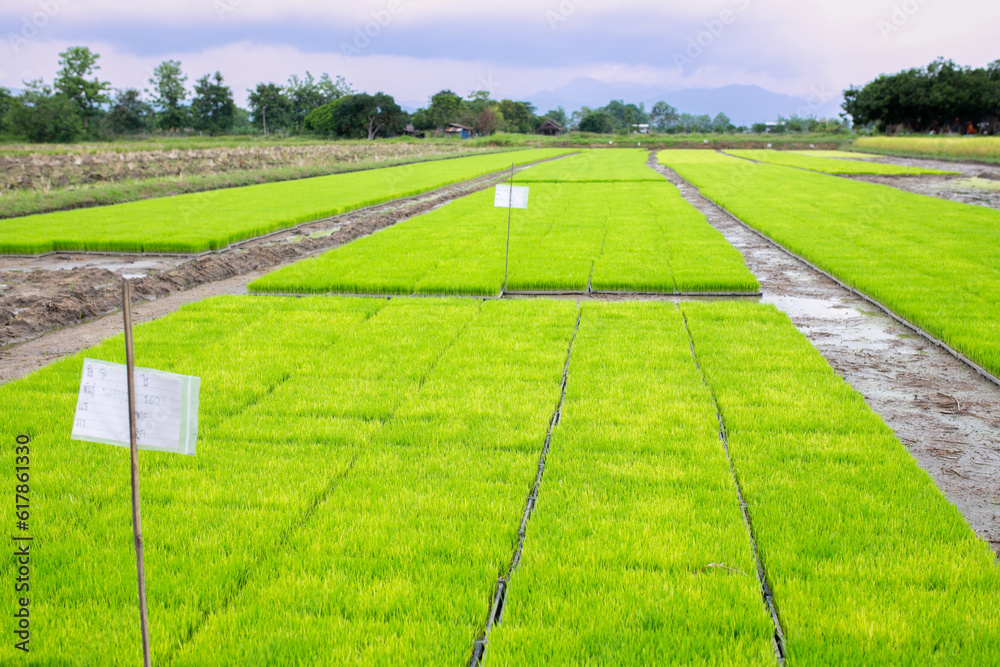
413 48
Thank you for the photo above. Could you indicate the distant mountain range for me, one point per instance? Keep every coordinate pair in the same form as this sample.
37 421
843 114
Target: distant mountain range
744 105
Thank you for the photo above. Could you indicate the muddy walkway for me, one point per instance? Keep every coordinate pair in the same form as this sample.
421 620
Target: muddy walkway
946 414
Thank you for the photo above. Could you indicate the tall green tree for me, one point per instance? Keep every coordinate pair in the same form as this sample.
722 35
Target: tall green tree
444 109
307 94
599 122
40 116
76 65
212 108
519 117
937 97
358 116
7 102
721 124
558 115
129 113
269 104
663 116
169 94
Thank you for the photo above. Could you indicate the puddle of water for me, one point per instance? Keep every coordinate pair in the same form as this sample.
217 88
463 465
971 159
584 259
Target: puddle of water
796 306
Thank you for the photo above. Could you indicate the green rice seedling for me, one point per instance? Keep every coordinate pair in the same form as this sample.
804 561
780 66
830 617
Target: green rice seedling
268 454
837 155
397 563
637 552
935 263
869 563
806 160
594 166
211 220
640 237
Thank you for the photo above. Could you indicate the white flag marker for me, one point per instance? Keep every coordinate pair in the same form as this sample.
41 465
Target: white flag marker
511 196
166 408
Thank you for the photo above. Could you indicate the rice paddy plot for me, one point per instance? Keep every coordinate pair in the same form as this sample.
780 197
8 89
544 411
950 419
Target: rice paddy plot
634 237
935 263
869 563
823 164
594 166
360 477
637 552
212 220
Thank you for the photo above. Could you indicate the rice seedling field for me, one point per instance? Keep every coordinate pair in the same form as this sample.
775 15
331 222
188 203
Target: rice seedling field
985 149
363 466
839 155
594 166
203 221
625 236
869 563
935 263
827 165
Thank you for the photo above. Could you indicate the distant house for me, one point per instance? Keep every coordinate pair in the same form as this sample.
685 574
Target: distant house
411 131
550 128
641 128
456 129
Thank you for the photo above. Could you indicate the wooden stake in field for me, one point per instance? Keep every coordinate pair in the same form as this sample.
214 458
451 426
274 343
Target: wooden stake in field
510 205
136 514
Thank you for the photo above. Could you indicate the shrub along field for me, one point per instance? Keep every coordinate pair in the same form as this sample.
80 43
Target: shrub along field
212 220
934 262
626 236
831 166
363 465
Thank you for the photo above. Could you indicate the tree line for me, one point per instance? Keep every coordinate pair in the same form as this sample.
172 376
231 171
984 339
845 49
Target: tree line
942 97
79 105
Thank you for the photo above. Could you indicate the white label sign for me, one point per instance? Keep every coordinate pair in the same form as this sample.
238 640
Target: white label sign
515 197
166 408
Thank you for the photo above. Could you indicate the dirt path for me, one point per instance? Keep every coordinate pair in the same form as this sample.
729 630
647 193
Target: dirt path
946 414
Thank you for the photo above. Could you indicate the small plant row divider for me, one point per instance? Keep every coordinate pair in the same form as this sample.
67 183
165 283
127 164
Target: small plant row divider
500 593
778 639
861 295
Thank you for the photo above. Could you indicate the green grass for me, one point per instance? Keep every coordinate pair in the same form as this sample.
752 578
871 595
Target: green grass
594 166
612 236
828 166
870 564
213 220
934 262
636 506
982 149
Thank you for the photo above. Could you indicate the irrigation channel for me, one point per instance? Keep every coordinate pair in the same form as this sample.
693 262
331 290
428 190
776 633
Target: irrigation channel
937 405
